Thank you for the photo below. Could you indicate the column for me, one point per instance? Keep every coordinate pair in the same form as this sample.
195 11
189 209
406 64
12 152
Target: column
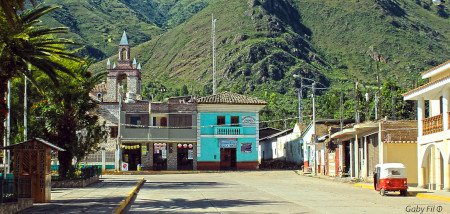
446 175
432 170
445 99
420 168
103 159
352 160
420 115
366 164
357 162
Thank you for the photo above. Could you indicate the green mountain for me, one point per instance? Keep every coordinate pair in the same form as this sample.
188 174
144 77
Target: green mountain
262 43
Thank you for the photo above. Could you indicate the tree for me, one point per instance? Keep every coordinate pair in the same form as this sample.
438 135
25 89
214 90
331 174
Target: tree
24 41
67 117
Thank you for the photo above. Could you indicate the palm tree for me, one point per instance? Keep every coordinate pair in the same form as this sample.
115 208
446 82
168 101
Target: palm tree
24 41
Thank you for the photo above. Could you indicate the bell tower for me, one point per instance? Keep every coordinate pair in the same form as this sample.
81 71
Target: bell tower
124 50
127 73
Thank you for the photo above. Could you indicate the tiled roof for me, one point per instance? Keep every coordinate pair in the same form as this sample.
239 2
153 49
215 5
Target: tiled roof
426 85
230 98
434 68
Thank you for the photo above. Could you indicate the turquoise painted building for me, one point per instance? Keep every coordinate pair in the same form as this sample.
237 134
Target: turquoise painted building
228 132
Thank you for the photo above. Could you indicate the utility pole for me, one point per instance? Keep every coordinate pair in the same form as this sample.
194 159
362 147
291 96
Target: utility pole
356 103
341 110
213 34
300 96
8 129
118 152
314 124
25 111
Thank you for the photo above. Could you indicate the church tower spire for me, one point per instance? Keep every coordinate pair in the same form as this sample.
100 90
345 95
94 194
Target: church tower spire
124 50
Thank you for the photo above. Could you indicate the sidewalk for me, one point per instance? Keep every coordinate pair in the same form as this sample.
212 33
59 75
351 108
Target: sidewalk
440 195
102 197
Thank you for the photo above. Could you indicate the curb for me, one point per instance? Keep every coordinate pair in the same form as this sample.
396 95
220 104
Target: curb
365 186
433 197
124 203
417 195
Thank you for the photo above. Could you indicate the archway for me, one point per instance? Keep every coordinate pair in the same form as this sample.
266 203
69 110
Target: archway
433 168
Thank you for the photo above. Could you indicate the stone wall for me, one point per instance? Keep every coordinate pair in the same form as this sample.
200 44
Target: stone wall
172 157
75 183
14 207
147 160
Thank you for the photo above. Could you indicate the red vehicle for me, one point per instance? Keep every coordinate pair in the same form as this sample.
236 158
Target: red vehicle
390 177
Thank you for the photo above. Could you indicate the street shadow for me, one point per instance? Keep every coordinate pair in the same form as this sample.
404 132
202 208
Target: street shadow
410 194
87 205
181 185
184 205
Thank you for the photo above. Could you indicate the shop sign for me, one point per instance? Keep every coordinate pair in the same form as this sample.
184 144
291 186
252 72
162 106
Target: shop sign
190 154
248 121
144 150
228 143
124 166
246 147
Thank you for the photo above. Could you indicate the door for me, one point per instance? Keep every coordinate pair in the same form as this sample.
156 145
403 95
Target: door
227 159
184 162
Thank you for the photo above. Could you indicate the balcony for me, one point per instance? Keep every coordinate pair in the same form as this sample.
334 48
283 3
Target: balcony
165 133
228 130
433 125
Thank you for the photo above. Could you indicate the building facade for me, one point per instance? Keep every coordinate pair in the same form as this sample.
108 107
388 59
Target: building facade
433 148
228 132
360 147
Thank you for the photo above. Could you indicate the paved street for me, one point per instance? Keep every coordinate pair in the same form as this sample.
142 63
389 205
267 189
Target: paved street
266 192
102 197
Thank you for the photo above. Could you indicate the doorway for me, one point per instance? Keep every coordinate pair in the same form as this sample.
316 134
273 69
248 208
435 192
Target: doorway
159 156
228 158
185 159
132 155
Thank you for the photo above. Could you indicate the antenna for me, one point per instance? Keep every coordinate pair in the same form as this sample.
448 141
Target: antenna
213 34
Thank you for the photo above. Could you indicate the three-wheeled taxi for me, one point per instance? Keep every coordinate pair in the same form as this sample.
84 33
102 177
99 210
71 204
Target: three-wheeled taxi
390 177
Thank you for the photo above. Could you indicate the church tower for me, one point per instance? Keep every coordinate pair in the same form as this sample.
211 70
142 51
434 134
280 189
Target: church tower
126 73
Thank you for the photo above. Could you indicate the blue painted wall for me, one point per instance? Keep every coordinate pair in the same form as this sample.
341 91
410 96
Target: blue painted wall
210 150
209 120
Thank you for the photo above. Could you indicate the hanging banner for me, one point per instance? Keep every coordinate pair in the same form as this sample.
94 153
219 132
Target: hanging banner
190 154
164 154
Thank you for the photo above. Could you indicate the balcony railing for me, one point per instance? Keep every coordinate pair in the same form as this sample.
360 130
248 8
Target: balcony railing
228 130
433 125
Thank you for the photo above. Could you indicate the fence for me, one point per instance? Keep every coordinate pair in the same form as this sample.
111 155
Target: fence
8 191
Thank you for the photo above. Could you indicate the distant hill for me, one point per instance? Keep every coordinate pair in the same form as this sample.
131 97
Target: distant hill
262 43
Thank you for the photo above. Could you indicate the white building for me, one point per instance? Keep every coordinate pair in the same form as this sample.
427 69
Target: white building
433 148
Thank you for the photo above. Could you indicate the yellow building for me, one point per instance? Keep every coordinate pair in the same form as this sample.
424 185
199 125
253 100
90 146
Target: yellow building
433 148
362 146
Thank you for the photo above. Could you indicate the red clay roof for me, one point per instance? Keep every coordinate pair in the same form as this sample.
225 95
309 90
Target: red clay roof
435 67
426 85
230 98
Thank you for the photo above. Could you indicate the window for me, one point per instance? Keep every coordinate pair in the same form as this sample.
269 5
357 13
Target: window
235 120
441 103
135 120
113 131
154 121
181 120
220 120
163 121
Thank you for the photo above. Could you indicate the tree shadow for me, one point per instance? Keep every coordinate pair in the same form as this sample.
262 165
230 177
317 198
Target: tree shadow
85 205
199 205
181 185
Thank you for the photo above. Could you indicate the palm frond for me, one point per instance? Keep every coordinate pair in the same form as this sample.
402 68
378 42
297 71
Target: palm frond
33 15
